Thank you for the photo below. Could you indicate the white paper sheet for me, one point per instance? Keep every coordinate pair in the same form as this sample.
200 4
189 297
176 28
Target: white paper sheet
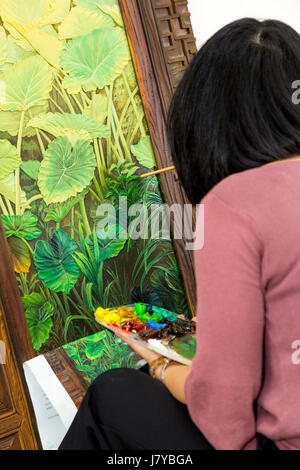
54 408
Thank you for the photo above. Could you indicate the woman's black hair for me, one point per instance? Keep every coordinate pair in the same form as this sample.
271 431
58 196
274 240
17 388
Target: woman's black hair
233 109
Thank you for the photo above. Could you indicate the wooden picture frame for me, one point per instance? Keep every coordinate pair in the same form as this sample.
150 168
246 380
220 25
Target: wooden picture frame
18 429
162 45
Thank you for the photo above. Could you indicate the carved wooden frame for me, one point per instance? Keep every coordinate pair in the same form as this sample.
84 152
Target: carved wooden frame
162 45
18 428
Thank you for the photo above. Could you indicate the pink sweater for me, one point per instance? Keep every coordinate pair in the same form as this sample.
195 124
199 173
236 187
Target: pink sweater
248 288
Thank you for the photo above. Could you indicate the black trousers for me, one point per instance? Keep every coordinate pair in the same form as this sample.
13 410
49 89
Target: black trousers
125 409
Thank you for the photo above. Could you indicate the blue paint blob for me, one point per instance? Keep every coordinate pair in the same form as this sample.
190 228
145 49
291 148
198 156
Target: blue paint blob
155 326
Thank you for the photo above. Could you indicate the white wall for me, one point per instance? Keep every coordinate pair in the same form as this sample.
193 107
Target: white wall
210 15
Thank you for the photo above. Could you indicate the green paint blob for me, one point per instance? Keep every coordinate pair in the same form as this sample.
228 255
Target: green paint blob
139 309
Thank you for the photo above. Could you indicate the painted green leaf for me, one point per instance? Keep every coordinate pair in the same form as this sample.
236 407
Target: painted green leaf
3 46
15 53
25 84
90 4
8 189
66 171
81 22
109 245
20 41
19 254
38 314
94 349
87 294
143 151
28 39
112 8
54 262
10 159
72 352
23 11
10 120
72 85
31 168
86 370
44 41
32 299
109 7
21 226
105 53
74 126
98 336
76 349
57 12
98 109
30 14
59 213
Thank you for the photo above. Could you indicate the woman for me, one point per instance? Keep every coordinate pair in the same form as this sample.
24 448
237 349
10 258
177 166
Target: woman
234 133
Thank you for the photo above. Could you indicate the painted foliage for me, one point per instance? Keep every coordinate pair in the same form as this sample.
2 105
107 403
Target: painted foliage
73 136
100 352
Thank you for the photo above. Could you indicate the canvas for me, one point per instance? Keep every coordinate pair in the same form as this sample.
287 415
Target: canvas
73 136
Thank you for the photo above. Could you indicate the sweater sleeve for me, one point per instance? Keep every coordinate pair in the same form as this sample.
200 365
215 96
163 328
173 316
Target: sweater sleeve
227 369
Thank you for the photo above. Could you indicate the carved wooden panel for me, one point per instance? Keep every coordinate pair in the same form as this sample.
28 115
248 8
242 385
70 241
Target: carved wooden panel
11 443
67 373
5 402
171 42
17 430
177 37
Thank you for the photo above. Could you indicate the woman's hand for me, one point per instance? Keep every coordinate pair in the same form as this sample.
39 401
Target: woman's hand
175 375
182 317
144 352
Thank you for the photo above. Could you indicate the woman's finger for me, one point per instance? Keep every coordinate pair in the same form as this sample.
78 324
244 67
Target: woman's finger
182 317
143 351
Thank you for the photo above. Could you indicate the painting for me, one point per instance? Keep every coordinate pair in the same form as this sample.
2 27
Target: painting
74 137
100 352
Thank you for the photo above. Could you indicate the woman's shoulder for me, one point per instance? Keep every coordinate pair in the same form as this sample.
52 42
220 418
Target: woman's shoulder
251 188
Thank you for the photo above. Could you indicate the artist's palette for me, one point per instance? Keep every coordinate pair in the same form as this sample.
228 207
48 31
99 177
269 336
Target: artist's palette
156 328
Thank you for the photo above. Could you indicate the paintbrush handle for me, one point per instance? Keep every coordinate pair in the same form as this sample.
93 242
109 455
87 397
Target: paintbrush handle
157 172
